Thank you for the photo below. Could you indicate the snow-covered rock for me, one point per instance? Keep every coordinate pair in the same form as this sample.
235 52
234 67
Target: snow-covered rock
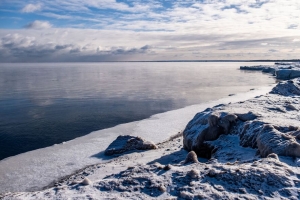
206 127
287 88
282 71
126 143
287 73
270 140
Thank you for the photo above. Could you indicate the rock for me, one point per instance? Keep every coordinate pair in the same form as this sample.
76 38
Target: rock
286 74
191 157
167 167
197 133
247 116
291 107
212 173
125 143
193 173
270 70
295 134
86 181
270 140
273 155
162 188
287 88
249 133
253 68
227 121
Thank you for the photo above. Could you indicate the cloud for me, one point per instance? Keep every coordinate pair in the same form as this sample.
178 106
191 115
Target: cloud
78 45
38 25
29 8
111 30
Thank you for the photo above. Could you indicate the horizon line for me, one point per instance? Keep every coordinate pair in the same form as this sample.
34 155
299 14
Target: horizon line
259 60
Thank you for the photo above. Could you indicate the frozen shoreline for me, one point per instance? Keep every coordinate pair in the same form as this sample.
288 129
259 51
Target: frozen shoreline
108 174
34 170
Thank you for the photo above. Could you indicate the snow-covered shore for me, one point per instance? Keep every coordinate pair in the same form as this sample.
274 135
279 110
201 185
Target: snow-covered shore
234 169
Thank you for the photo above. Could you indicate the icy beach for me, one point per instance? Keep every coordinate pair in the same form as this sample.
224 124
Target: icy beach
254 153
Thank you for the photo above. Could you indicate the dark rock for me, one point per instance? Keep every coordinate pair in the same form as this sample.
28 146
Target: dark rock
125 143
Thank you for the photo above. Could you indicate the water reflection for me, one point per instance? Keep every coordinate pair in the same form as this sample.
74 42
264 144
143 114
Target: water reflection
44 104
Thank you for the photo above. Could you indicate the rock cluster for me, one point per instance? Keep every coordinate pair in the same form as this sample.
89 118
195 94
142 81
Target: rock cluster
251 128
283 71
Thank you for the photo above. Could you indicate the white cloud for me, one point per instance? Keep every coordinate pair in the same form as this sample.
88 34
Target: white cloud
38 25
31 8
243 29
54 44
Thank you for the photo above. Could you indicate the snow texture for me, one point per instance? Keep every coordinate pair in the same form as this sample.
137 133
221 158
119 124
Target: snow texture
40 168
252 149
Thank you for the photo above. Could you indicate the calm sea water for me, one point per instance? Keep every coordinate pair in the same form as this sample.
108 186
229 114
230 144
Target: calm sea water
46 104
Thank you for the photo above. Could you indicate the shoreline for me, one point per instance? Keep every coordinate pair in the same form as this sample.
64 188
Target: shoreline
169 157
163 173
168 122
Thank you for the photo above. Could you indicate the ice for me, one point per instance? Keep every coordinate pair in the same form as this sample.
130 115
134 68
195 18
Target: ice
282 71
34 170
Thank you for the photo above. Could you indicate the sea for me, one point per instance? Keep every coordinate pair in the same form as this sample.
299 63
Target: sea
43 104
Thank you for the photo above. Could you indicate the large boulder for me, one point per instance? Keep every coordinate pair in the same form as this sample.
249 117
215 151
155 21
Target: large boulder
126 143
206 126
270 140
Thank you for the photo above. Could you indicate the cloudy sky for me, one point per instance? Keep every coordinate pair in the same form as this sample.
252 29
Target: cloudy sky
133 30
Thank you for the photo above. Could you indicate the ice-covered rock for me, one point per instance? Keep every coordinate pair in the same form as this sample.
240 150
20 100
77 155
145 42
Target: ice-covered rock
270 140
286 74
191 157
282 71
249 133
287 88
125 143
254 68
206 127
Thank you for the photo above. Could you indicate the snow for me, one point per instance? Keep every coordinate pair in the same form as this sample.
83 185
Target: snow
237 169
37 169
282 71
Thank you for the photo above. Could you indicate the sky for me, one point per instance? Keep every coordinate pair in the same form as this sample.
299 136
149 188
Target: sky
148 30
